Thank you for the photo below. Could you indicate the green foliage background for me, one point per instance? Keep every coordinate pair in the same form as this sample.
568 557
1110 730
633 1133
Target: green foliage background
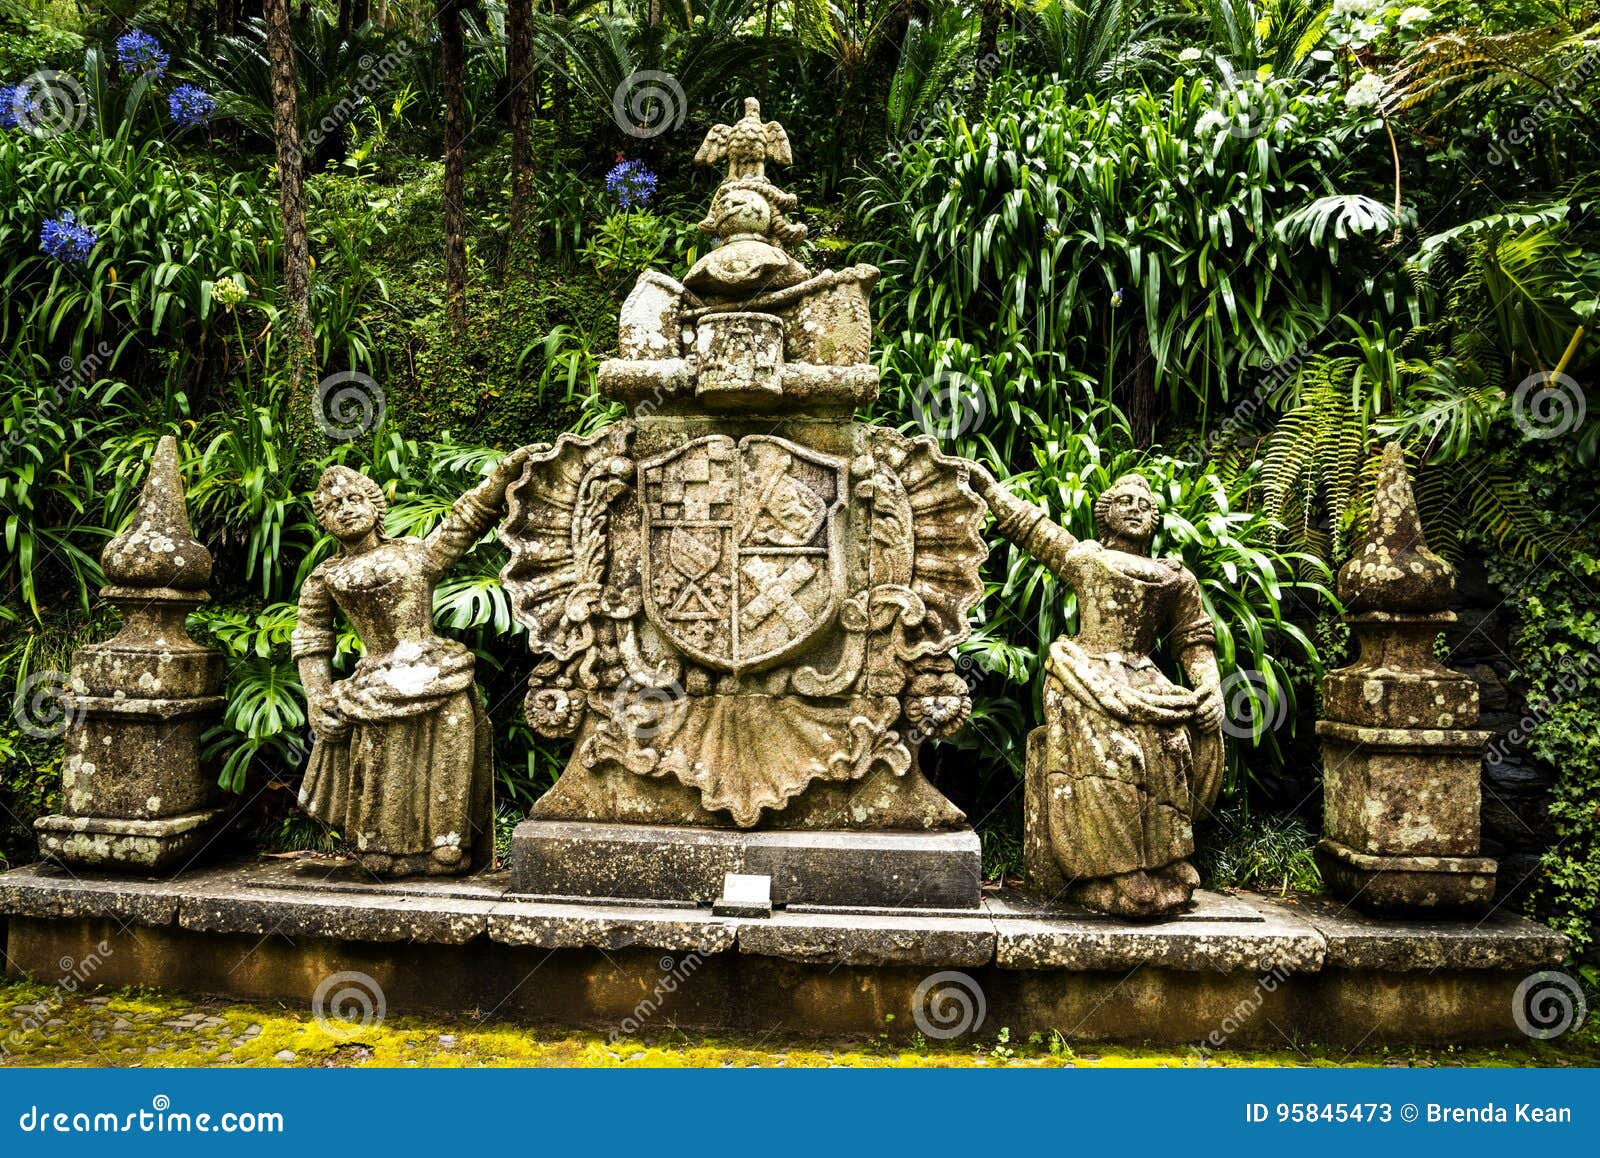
1232 244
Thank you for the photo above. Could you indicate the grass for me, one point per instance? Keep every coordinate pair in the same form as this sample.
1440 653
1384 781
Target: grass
163 1030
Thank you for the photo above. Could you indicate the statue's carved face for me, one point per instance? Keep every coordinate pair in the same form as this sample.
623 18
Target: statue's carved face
348 513
1130 514
744 211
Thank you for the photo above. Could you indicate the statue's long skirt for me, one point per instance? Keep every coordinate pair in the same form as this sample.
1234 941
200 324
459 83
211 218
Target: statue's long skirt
1122 792
403 787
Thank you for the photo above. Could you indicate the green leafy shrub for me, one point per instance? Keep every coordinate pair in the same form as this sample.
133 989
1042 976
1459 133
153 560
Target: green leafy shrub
1242 849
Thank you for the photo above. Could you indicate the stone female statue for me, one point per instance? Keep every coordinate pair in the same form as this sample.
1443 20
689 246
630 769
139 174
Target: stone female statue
1128 759
401 764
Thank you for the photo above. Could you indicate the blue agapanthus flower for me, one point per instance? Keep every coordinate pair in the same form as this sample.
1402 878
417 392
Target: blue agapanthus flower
190 105
141 54
632 183
14 105
66 239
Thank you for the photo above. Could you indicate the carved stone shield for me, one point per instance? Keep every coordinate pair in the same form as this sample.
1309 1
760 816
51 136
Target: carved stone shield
743 547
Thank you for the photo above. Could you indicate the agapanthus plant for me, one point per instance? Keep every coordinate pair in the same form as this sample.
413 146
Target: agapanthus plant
190 105
141 54
15 106
632 183
66 239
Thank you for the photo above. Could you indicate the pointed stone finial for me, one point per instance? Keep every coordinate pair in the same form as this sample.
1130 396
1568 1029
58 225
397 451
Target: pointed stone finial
747 144
157 549
1392 568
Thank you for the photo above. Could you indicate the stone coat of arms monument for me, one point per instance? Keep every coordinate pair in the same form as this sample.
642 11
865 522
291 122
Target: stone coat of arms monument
743 603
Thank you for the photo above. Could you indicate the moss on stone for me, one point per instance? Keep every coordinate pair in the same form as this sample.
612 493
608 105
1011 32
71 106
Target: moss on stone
138 1027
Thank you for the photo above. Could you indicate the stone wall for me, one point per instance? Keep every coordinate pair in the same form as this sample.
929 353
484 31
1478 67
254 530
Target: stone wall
1516 789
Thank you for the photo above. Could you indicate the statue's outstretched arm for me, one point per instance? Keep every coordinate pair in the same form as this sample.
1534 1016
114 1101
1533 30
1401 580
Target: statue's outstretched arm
1026 525
473 513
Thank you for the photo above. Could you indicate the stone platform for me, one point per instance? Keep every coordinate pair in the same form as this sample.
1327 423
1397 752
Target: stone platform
891 870
1239 971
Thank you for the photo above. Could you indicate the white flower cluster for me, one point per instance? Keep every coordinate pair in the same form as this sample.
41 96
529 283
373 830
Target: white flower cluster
1365 92
1358 23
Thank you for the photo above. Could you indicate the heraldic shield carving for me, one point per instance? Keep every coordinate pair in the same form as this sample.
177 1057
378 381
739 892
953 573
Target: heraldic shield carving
742 604
743 558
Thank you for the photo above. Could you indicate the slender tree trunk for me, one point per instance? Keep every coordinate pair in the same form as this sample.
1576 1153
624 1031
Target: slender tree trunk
291 200
225 18
519 76
766 49
452 67
990 13
346 14
1134 392
559 99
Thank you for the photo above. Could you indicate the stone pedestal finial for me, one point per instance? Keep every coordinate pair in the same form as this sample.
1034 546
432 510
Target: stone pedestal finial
136 797
1400 756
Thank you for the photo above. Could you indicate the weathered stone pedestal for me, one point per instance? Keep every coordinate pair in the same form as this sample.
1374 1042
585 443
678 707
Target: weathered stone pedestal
1236 972
1401 759
136 797
889 870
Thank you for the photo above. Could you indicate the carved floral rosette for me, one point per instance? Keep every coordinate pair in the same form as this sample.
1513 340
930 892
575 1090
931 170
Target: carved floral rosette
746 615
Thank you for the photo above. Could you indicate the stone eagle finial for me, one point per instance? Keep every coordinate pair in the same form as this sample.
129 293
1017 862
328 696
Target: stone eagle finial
747 144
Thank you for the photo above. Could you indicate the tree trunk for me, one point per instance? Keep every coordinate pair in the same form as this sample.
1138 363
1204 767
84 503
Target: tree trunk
292 203
559 96
346 14
452 68
990 13
519 77
1134 392
226 18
